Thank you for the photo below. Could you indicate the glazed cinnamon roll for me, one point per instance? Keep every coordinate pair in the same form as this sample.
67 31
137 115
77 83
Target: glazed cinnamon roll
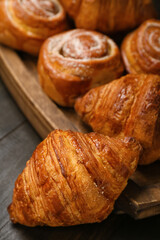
109 15
71 63
141 49
25 24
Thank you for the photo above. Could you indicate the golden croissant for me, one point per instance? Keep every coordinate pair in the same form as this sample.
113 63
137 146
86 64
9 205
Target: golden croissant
25 24
109 15
129 106
72 62
73 178
141 48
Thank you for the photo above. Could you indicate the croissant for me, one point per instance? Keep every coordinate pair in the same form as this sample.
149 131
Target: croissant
73 178
71 63
25 24
109 16
129 106
141 49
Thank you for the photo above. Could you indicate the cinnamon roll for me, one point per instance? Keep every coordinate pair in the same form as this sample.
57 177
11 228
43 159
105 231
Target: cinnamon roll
25 24
109 15
71 63
141 49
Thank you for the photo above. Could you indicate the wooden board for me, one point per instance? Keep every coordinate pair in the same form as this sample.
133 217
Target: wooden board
10 117
141 198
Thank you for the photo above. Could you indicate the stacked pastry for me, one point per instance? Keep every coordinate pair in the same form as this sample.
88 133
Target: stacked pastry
74 178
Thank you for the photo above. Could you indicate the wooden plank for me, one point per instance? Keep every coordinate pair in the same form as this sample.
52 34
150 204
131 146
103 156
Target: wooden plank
141 198
140 202
10 116
38 108
15 150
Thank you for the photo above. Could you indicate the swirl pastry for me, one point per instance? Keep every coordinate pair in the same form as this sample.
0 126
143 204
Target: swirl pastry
109 15
129 106
25 24
73 178
141 49
71 63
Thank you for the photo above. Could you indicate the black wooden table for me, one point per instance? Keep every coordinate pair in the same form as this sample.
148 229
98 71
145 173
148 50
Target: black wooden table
17 142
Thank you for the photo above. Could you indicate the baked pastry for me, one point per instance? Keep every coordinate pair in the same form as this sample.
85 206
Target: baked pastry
141 49
110 15
129 106
73 178
71 63
24 25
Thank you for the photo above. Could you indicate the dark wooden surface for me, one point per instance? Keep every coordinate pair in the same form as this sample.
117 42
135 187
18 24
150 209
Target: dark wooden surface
17 141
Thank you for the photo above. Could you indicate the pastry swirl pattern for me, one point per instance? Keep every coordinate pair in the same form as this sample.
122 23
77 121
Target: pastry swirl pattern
141 49
71 63
25 24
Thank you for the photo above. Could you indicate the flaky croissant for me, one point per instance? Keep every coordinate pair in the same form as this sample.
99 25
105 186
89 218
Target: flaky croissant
71 63
109 15
141 49
25 24
129 106
73 178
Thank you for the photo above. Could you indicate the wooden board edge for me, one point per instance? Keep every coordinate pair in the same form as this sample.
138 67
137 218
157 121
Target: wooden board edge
31 102
136 202
124 205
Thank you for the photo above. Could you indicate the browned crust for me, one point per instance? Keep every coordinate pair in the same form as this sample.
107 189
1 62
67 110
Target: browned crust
129 106
109 16
26 29
141 49
73 178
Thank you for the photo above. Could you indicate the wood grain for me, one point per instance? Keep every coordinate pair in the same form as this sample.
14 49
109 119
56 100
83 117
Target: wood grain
17 147
10 117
